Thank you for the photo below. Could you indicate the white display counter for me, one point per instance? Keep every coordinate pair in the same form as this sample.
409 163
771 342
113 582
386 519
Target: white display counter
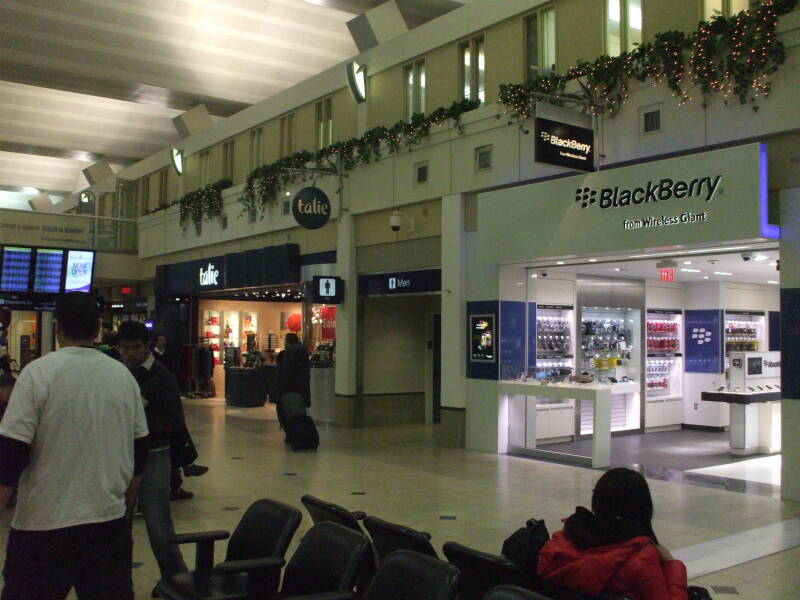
600 397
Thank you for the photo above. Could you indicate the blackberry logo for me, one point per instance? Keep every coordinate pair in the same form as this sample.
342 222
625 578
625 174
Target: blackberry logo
545 136
585 196
700 336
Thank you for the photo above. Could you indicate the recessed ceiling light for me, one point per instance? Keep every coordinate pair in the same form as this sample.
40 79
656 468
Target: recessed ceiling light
773 264
774 282
706 277
761 258
592 260
534 276
687 262
560 262
691 270
725 273
617 269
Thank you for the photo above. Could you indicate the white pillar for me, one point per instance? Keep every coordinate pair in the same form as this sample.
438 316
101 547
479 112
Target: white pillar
452 430
790 280
347 313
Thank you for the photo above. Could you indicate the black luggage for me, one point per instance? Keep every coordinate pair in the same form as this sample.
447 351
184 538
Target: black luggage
301 433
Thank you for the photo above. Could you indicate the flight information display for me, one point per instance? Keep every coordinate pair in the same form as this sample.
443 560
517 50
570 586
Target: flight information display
16 269
47 274
80 267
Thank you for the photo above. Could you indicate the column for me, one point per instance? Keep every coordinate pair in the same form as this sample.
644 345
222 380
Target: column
790 342
452 430
346 323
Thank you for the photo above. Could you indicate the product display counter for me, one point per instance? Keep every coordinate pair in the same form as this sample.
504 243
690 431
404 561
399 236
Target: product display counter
248 386
521 419
755 420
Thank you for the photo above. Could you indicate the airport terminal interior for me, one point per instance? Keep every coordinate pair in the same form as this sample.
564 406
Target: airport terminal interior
522 242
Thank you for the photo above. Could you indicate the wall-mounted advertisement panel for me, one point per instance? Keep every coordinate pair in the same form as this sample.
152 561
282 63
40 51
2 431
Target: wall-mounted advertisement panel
564 145
80 268
16 269
704 341
482 338
48 270
704 198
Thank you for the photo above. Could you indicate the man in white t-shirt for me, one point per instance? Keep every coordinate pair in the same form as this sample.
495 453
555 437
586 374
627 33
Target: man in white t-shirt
72 439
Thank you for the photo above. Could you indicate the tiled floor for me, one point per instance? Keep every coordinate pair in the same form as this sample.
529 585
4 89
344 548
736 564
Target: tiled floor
407 479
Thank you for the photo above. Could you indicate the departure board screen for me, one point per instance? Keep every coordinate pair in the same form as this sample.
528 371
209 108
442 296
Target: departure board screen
16 269
47 275
80 267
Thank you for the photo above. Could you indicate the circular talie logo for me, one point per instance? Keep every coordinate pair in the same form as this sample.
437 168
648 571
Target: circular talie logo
311 208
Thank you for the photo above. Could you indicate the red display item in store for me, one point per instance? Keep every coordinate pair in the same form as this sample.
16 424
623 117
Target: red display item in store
217 361
294 322
214 346
214 320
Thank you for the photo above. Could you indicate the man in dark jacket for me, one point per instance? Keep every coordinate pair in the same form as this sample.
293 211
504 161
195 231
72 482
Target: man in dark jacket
163 410
294 374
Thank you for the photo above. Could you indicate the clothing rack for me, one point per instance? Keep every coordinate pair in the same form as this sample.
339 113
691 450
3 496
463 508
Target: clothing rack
197 370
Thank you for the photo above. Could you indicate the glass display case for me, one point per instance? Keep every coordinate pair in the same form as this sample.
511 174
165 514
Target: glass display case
744 331
664 368
211 332
610 340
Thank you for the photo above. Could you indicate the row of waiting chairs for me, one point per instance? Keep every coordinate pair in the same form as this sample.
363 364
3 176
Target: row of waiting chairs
335 560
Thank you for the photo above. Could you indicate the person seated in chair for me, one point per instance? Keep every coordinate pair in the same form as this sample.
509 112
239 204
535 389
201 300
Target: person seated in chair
612 548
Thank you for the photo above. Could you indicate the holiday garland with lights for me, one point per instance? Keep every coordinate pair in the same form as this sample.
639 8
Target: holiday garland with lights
734 56
204 202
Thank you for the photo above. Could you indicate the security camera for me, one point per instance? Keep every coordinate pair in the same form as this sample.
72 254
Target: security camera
544 274
396 221
747 256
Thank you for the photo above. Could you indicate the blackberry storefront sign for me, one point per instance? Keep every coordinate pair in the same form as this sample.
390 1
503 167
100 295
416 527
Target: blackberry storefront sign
712 197
564 145
311 208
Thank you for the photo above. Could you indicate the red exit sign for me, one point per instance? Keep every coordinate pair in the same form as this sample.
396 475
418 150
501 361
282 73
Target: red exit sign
667 274
125 290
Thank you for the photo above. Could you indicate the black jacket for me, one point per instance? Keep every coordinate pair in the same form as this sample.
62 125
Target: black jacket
586 530
294 372
163 407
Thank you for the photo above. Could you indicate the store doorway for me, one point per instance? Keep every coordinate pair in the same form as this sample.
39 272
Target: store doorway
695 315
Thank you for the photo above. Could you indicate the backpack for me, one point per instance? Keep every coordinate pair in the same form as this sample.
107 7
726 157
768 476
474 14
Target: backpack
522 547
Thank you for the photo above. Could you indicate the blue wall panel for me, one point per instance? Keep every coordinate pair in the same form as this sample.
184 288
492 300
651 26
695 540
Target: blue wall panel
790 343
704 341
512 339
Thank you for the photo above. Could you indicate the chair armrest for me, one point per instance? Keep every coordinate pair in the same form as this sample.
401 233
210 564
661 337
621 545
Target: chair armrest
341 595
426 535
359 515
199 536
250 564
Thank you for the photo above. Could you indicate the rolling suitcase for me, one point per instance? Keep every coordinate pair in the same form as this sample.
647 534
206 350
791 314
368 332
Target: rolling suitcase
301 433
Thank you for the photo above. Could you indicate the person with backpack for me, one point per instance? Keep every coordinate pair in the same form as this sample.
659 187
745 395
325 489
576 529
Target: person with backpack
613 548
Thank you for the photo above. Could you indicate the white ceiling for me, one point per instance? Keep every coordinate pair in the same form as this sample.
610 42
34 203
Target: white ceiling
89 80
759 271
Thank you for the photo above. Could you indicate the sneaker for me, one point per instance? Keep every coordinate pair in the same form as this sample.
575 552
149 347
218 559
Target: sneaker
180 494
194 470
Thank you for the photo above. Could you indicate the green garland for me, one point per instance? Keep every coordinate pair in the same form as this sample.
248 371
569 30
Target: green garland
204 202
732 55
264 182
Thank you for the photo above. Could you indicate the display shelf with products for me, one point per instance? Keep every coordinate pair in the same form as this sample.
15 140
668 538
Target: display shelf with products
554 325
211 333
609 342
664 329
230 329
249 330
555 359
744 331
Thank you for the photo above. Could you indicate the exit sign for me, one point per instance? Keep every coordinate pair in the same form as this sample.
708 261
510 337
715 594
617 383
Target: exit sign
667 274
125 290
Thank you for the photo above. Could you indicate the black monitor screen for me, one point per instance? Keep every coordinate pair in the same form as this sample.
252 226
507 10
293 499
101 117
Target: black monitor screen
47 275
16 269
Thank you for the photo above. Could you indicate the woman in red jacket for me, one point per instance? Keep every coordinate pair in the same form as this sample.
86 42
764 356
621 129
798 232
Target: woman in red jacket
612 548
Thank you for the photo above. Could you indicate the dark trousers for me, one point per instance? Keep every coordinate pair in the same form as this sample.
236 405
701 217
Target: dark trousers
175 479
95 559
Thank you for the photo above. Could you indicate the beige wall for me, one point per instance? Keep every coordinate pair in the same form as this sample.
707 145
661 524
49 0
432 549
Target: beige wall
345 116
505 55
660 16
395 343
304 124
579 32
441 69
272 141
387 101
373 228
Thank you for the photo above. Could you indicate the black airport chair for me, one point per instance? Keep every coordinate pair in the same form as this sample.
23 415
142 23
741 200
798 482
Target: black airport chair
253 561
326 564
322 511
406 575
512 592
389 537
481 572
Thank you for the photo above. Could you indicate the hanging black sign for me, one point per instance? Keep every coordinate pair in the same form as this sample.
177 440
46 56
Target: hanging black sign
311 208
328 289
564 145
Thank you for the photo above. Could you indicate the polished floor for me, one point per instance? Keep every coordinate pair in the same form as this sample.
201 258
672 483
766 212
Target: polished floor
397 473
